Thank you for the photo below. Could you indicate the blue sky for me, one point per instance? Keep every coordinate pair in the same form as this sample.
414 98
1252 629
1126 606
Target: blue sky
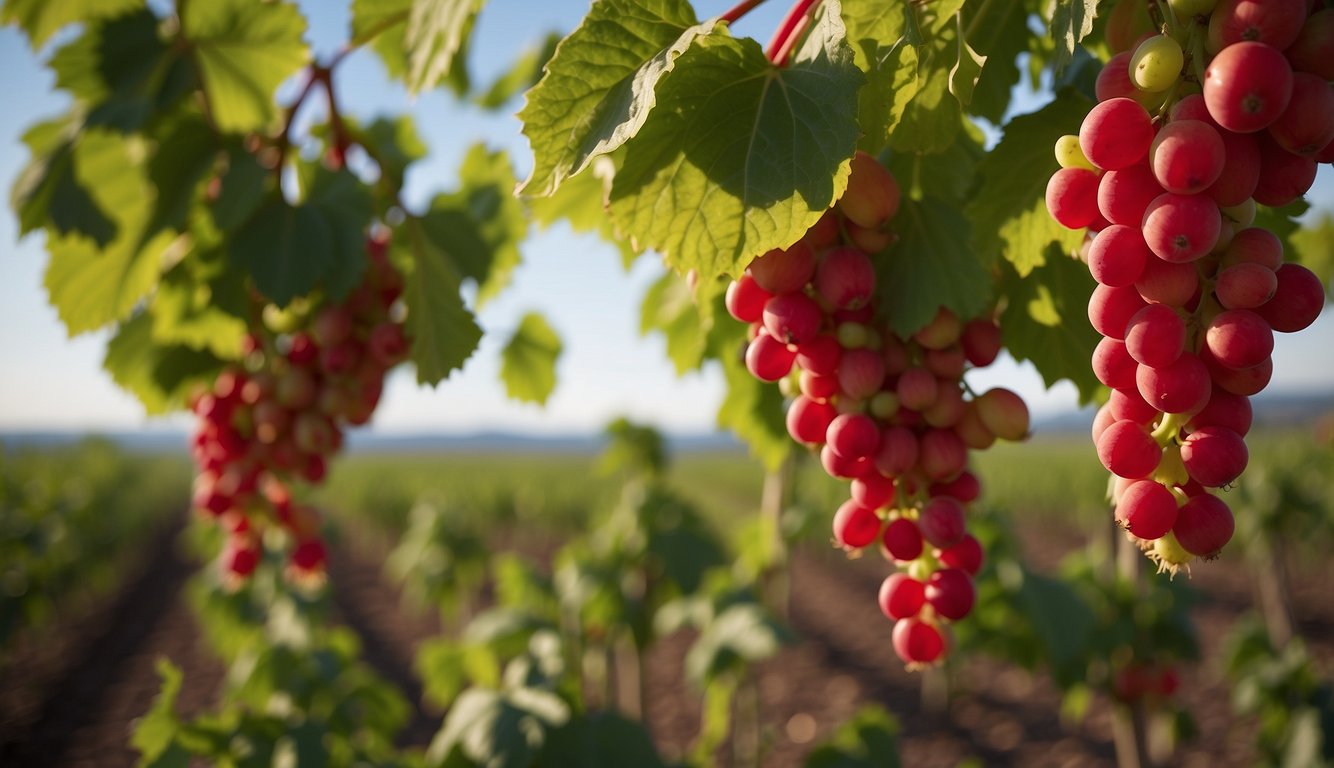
48 380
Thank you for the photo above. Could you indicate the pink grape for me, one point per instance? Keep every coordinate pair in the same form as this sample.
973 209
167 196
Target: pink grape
1165 282
1182 387
853 435
767 358
1245 286
902 539
1310 51
845 278
1214 456
1147 509
1127 450
1116 133
820 355
816 387
1156 336
1274 22
942 522
745 299
981 340
1072 197
951 592
1284 177
1254 245
855 526
1181 228
1297 302
1241 169
898 451
941 455
1124 195
1110 310
841 467
1118 255
784 271
1246 382
808 421
1239 339
861 372
965 487
1225 410
1128 404
1204 525
902 596
917 388
792 317
1113 365
966 555
873 490
1247 86
917 642
1307 125
1187 156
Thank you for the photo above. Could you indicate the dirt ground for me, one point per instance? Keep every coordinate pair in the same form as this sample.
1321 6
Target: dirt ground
70 697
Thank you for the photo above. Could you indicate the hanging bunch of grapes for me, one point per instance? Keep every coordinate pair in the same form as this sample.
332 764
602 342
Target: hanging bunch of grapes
888 413
276 417
1228 107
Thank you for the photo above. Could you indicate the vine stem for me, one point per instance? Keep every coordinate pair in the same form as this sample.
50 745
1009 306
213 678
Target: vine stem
785 39
731 15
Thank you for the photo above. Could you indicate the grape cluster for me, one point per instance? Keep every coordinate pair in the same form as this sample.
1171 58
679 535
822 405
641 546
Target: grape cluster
888 413
1229 107
275 417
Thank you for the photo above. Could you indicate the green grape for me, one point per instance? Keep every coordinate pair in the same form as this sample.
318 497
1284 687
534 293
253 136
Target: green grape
1069 155
1189 9
1156 63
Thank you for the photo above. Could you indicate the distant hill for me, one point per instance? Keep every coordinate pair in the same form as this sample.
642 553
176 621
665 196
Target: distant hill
1271 410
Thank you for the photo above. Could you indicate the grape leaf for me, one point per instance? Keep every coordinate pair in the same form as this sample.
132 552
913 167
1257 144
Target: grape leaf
396 143
528 361
740 156
998 30
948 175
437 31
47 191
186 152
669 307
1071 22
932 119
480 225
202 305
242 186
868 740
1045 319
1313 248
599 86
89 285
444 333
879 34
43 18
523 74
156 729
289 250
582 202
159 375
1010 210
123 70
244 49
385 26
932 265
967 68
600 740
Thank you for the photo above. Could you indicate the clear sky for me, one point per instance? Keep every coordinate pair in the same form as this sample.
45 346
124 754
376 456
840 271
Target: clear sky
48 380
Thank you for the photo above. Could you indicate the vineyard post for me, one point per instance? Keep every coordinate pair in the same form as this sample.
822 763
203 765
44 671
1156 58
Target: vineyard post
1130 720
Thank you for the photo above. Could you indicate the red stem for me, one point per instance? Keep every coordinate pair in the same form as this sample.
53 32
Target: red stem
739 10
785 39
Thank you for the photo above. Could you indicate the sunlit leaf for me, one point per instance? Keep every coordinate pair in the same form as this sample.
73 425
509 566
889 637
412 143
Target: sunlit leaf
528 360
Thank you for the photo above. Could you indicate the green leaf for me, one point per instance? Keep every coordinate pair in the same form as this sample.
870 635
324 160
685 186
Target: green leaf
1046 320
669 307
43 18
444 333
48 192
582 202
185 154
523 74
1010 210
159 375
242 187
751 408
528 361
387 24
738 636
948 176
244 49
496 729
933 118
967 68
1000 33
739 156
91 286
1071 22
396 143
1313 247
891 84
1063 622
869 740
481 225
289 250
932 265
124 71
156 729
202 305
599 86
437 31
599 740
